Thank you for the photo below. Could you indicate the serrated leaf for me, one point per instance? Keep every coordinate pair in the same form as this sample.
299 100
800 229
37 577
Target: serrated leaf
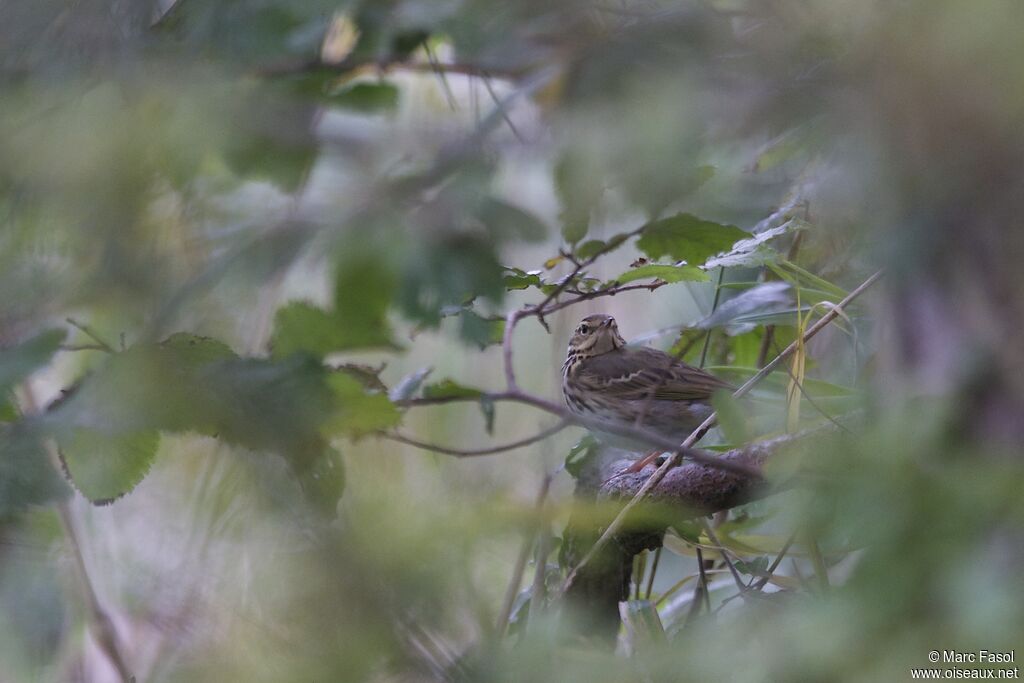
358 412
666 273
684 237
20 361
104 467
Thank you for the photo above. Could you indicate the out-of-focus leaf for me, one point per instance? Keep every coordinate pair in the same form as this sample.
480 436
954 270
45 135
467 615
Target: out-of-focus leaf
366 97
684 237
366 375
731 417
188 384
666 273
104 467
752 250
505 221
246 30
794 274
577 194
449 270
642 622
27 476
324 482
363 290
756 567
447 388
18 362
479 330
766 298
357 411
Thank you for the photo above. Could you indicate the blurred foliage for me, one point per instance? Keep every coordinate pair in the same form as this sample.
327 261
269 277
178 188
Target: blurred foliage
238 237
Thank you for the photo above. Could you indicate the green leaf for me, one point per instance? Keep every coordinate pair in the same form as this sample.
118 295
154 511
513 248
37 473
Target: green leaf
663 272
753 251
27 476
504 220
449 270
447 388
577 194
104 467
580 454
363 291
755 567
188 383
731 417
516 278
358 412
20 361
685 237
324 482
366 97
479 330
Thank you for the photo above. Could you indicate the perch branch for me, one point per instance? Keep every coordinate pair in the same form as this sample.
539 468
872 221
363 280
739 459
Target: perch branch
698 433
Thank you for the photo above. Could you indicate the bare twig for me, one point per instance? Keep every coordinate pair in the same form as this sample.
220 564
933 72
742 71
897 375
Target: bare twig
470 453
763 581
648 437
100 624
725 555
501 108
506 350
698 433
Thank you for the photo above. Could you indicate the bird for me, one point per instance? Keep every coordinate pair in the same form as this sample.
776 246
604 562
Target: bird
604 378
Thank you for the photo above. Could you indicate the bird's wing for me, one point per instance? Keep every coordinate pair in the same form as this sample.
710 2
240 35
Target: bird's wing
631 374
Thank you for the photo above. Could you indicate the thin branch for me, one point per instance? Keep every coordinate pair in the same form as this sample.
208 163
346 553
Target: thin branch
725 555
471 453
698 433
648 437
714 307
506 350
346 66
89 332
763 581
501 108
520 566
99 622
83 347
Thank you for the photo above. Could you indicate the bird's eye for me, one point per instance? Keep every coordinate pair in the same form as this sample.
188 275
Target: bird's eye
584 328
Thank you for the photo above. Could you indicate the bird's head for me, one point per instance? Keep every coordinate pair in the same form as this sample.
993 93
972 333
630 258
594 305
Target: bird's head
596 334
